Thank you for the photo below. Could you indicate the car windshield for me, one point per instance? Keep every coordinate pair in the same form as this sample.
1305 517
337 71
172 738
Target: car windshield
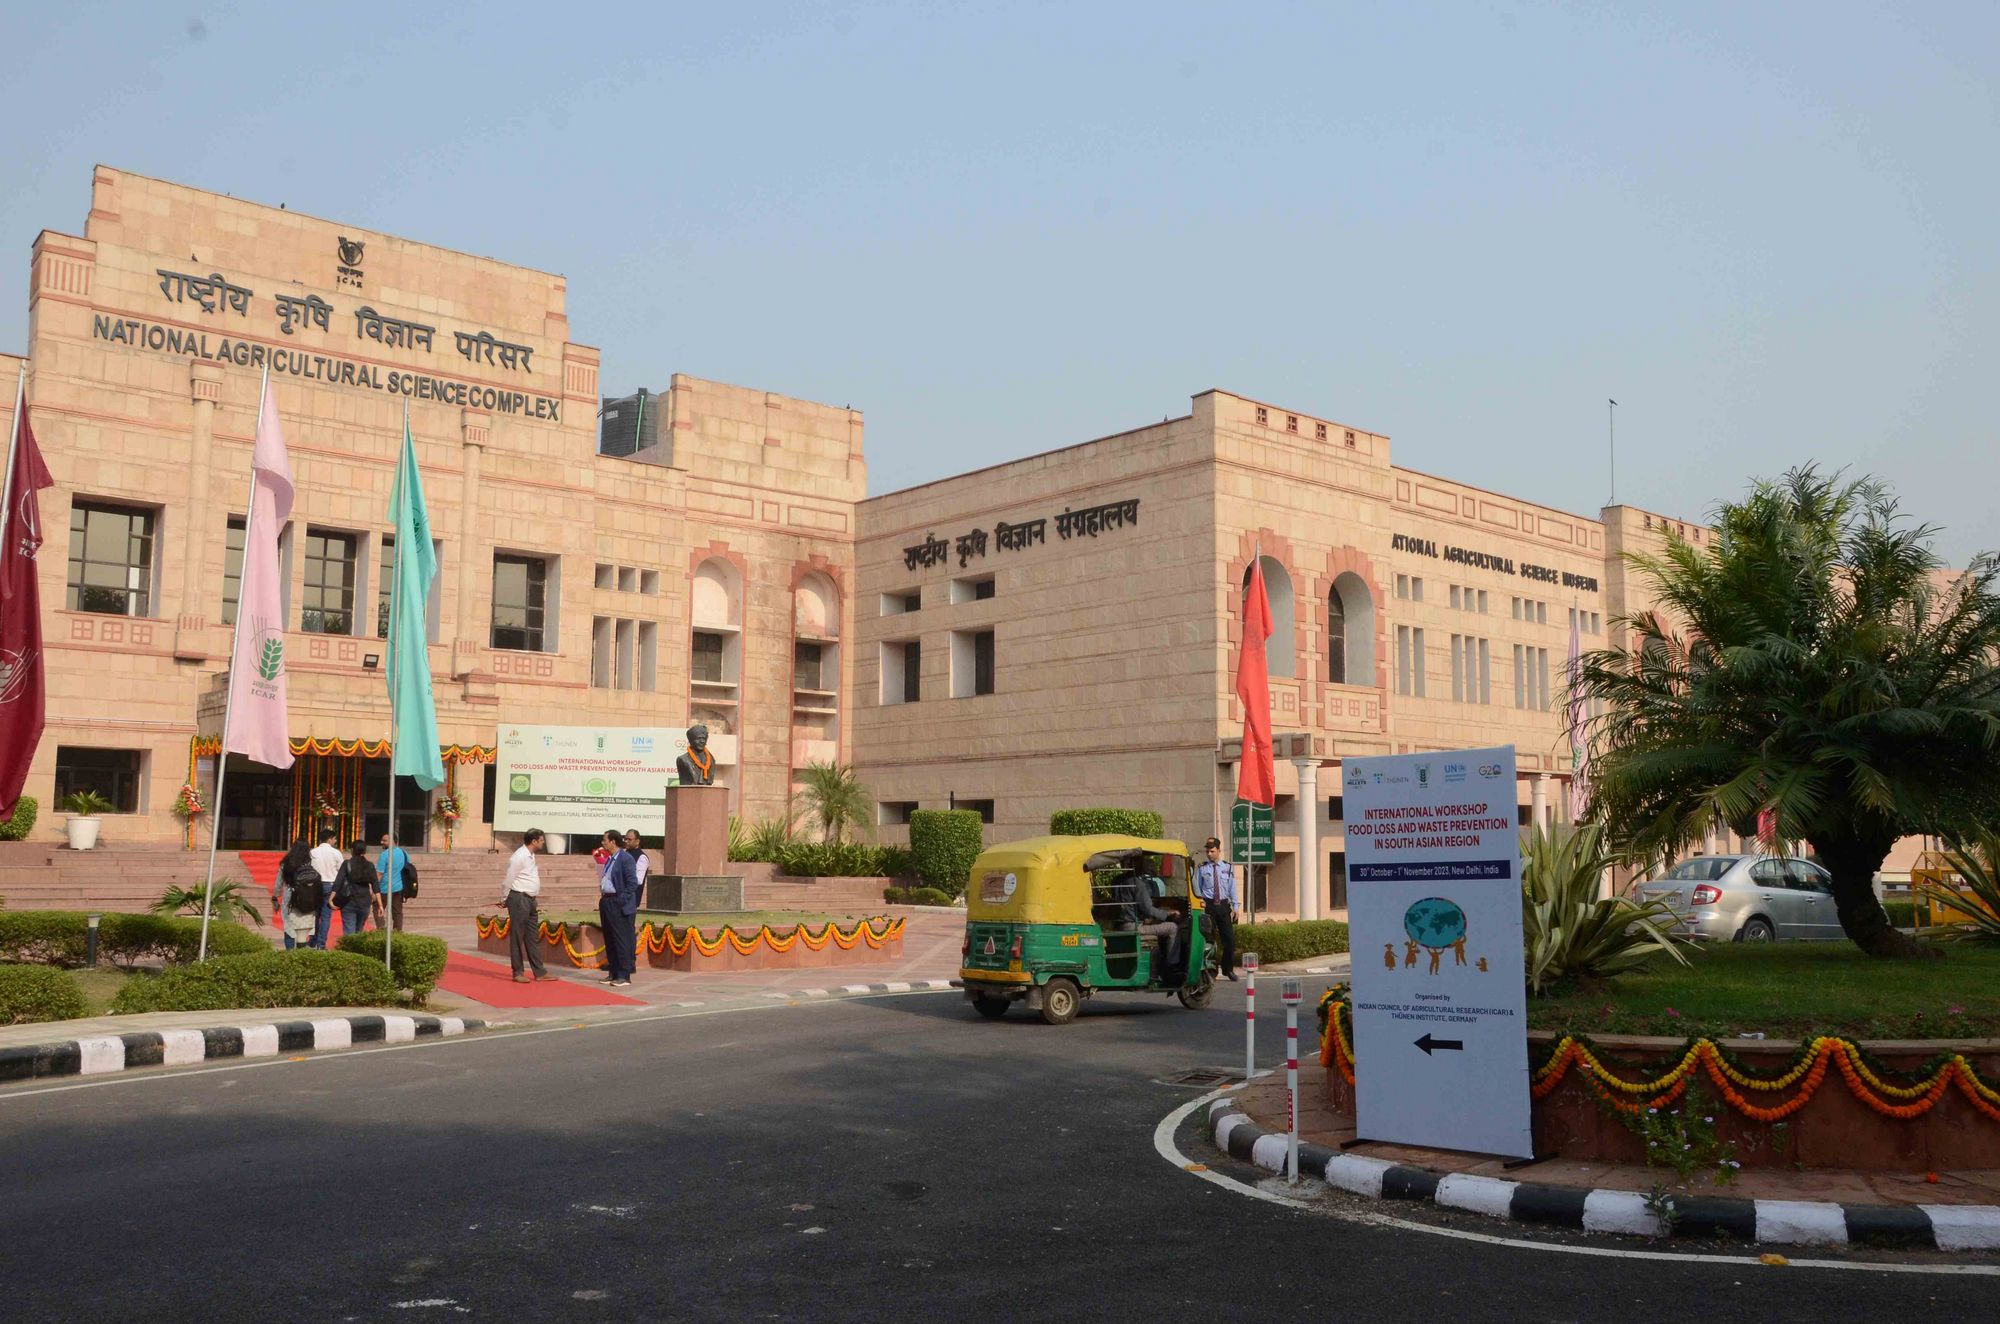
1702 869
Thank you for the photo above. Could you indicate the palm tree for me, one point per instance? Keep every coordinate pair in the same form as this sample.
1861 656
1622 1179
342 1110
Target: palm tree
833 797
1828 679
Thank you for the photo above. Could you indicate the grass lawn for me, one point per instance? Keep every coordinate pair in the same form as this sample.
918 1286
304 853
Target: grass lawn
1787 990
99 987
741 920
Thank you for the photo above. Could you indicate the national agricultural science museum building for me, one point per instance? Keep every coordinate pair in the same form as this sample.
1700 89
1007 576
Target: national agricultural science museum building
1055 631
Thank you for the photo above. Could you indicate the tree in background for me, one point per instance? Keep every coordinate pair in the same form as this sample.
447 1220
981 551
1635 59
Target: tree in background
1812 673
832 796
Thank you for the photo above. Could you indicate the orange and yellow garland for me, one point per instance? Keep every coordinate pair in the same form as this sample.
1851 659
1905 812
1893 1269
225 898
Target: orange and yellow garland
673 941
1806 1074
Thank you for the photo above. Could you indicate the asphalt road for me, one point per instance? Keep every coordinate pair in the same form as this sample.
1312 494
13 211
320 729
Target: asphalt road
877 1160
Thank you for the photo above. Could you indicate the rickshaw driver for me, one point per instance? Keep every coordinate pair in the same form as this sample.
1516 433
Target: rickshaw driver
1139 888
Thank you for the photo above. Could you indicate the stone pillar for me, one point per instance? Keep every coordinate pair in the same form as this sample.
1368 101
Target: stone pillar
191 642
465 629
1308 864
1538 800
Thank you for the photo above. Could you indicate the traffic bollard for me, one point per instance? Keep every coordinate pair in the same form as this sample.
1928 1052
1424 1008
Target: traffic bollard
1249 1016
1291 993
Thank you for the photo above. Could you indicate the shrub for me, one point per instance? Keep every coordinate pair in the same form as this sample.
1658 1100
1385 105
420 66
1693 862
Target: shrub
418 960
1092 822
37 993
761 841
828 859
1567 927
300 978
943 845
227 899
58 937
896 863
1902 914
895 896
929 896
1293 941
22 823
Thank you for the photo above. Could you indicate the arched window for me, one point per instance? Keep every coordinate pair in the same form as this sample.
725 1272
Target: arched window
1279 656
1350 631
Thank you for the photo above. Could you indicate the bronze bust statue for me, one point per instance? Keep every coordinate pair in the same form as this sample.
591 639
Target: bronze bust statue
697 766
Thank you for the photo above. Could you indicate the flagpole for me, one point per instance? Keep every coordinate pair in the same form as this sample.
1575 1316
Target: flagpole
229 699
13 449
1611 424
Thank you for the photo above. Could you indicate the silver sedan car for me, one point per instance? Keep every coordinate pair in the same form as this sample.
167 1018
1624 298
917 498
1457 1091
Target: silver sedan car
1747 898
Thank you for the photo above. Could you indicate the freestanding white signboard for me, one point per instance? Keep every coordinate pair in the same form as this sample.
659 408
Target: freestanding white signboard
1434 921
583 779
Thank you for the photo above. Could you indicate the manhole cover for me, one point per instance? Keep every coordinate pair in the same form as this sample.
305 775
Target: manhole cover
1207 1076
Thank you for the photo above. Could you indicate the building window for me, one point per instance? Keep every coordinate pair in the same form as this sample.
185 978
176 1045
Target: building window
1336 808
604 576
649 582
1291 422
1263 416
232 568
110 559
1482 602
983 808
1531 677
520 602
1471 670
1281 649
1319 432
705 659
898 604
1336 638
972 590
329 601
902 662
1350 438
624 655
628 579
1409 661
112 773
889 812
385 595
971 663
806 662
489 791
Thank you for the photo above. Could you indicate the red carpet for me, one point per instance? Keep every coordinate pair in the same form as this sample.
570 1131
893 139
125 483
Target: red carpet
492 983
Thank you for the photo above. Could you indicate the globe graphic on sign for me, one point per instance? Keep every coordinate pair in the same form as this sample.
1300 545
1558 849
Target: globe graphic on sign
1434 923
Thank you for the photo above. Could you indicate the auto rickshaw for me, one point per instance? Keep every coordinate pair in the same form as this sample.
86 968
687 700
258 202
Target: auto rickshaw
1044 927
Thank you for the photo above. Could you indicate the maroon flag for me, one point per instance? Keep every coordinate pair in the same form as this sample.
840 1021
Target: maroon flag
20 610
1256 779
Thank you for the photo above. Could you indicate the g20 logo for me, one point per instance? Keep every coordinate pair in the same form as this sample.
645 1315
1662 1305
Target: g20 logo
1489 770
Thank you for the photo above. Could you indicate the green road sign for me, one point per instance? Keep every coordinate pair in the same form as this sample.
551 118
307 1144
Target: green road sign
1250 833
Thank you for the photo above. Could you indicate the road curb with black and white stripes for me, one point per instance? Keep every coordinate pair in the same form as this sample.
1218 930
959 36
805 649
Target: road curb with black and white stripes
1776 1222
860 990
102 1054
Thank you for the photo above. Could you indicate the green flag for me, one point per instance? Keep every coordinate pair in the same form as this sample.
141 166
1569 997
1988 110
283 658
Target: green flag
414 712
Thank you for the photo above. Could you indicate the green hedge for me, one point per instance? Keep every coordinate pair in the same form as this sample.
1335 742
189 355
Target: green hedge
299 978
58 937
419 960
1093 822
37 993
22 823
915 896
1293 941
943 845
829 859
1902 914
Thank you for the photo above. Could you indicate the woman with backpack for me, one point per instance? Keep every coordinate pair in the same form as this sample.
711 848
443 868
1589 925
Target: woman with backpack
300 891
354 888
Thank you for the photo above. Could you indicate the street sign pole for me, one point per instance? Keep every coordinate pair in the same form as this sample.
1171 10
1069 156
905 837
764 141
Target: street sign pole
1249 1016
1290 993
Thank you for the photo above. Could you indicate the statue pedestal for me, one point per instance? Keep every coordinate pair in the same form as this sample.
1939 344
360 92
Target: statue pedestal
695 847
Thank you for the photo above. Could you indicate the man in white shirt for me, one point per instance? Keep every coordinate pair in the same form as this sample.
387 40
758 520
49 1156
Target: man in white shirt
326 861
523 902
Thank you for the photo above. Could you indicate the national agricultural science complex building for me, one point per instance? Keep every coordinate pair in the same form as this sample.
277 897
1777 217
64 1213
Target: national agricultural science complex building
1051 632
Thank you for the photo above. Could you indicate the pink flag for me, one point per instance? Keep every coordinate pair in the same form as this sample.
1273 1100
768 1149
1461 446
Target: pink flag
1579 730
258 727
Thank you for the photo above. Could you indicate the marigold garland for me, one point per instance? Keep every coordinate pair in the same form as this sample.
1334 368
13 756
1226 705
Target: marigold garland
668 939
1806 1074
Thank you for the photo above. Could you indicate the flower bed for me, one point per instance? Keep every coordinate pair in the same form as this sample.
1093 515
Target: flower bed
1830 1102
688 948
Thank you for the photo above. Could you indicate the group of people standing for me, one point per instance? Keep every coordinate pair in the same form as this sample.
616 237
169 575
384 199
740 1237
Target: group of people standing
314 881
621 883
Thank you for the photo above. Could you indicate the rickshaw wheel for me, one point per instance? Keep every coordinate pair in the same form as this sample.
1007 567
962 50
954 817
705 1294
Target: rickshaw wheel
1197 997
1059 1001
991 1008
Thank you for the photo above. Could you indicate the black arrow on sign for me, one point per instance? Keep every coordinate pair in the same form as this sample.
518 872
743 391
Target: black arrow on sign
1427 1044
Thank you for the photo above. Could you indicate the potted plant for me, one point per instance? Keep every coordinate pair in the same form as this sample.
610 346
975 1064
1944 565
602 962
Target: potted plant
83 808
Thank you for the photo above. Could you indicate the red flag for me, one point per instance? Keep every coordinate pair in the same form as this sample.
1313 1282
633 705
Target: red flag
21 706
1256 780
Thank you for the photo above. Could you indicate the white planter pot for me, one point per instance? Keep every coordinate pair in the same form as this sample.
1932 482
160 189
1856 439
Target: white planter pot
82 833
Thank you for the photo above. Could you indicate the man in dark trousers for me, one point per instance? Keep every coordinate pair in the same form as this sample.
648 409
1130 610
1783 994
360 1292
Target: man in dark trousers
1215 884
617 914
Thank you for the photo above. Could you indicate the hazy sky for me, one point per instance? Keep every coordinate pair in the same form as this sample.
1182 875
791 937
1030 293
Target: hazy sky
1768 231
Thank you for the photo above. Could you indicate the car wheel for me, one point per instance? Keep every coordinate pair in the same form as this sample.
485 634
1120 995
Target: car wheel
1758 930
1059 1001
991 1008
1198 996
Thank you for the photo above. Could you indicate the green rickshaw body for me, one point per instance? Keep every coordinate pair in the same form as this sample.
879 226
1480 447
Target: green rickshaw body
1040 928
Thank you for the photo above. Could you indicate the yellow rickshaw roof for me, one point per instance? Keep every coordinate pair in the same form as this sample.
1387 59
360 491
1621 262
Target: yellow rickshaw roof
1060 852
1053 888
